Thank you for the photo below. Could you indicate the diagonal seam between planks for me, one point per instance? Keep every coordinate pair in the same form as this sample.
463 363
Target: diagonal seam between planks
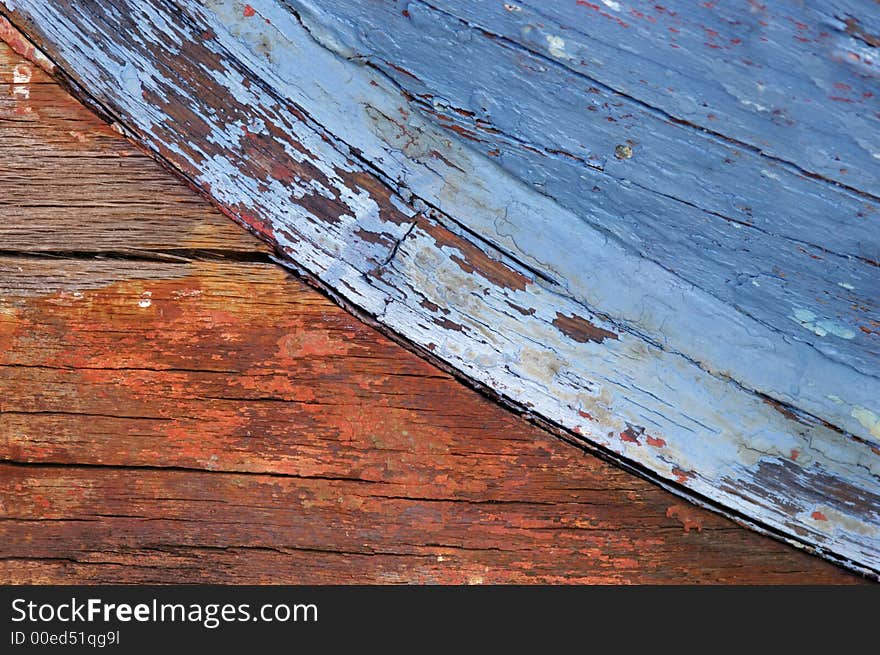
401 240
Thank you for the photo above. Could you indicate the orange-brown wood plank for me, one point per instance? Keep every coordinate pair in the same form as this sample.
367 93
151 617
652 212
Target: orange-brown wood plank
173 407
57 156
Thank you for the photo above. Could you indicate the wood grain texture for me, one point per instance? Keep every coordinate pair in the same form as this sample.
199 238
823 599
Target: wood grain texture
741 371
211 419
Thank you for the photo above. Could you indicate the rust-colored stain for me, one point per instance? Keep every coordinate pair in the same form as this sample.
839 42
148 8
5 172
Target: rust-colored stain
581 330
472 260
687 516
855 29
20 45
630 436
784 410
680 475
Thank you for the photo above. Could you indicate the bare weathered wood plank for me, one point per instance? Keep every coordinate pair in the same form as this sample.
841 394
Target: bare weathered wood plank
165 527
53 150
625 352
221 422
231 528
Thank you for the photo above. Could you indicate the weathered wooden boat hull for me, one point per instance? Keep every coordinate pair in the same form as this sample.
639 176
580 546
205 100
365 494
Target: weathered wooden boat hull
675 262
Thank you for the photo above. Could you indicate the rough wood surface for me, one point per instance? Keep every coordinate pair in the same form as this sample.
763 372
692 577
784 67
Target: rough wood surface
204 418
670 293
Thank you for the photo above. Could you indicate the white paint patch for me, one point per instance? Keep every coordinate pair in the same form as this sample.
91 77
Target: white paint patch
868 419
756 105
611 4
846 285
145 301
22 74
512 7
132 81
822 327
21 77
556 46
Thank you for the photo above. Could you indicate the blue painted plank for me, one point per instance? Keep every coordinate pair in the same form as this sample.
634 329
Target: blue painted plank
750 231
788 78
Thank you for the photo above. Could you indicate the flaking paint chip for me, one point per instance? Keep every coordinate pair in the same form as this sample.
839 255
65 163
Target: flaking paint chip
623 151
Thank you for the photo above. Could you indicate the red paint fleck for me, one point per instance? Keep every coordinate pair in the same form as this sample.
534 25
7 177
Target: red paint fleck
681 476
842 86
639 14
735 41
657 442
586 415
19 44
249 11
629 436
282 173
839 99
405 12
819 516
689 517
794 454
604 14
259 227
